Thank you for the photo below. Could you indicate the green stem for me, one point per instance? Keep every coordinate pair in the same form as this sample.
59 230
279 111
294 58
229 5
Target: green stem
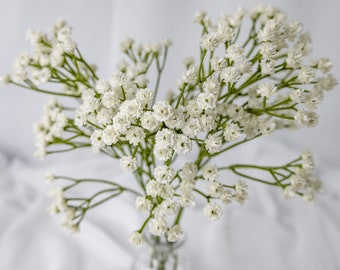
253 178
145 223
44 91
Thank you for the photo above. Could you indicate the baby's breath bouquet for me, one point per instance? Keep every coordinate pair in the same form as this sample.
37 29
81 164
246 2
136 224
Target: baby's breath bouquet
250 78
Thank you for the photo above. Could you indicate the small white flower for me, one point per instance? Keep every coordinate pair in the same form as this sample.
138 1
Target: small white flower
230 74
212 211
266 90
209 41
68 223
135 135
176 121
53 209
210 172
50 177
232 132
269 31
241 194
207 123
164 174
288 193
187 199
235 20
298 181
162 110
141 81
68 45
267 127
90 102
206 101
57 56
97 140
174 233
117 80
306 118
189 171
104 116
296 53
244 65
149 122
41 76
191 127
22 61
35 37
293 29
226 196
110 100
152 188
313 99
122 66
165 138
136 238
188 61
167 42
102 86
153 47
267 67
212 85
5 79
64 33
308 160
217 64
57 194
200 16
326 83
19 75
143 204
131 109
144 96
306 75
121 123
189 76
309 198
297 95
268 50
128 163
41 145
215 189
166 191
163 153
213 143
169 207
187 185
182 144
324 64
224 31
234 52
110 135
157 226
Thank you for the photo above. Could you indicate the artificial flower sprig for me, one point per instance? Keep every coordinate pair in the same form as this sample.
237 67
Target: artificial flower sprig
251 78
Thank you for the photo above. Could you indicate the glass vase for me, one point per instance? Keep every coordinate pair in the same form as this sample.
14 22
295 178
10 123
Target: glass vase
160 255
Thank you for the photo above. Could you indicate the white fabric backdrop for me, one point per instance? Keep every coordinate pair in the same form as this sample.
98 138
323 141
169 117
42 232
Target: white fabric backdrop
266 233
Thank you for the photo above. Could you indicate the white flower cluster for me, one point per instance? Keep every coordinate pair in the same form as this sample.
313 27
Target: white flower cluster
56 59
48 51
58 205
238 90
51 126
303 181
